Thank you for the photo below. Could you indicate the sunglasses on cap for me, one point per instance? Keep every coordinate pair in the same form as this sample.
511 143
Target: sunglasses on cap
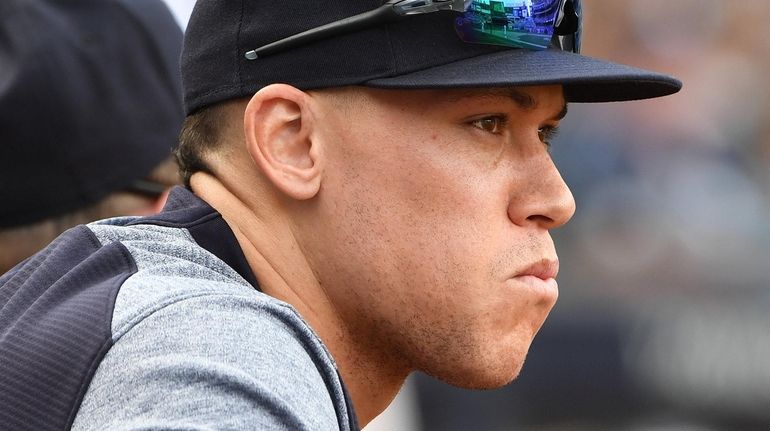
529 24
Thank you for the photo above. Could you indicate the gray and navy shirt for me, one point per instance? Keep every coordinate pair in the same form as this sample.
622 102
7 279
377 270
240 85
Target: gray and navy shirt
158 324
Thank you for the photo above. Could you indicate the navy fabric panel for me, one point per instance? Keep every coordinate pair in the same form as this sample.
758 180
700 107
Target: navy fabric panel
55 327
185 210
352 416
216 236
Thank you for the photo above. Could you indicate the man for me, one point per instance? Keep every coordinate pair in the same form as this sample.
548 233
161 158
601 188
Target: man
90 109
367 198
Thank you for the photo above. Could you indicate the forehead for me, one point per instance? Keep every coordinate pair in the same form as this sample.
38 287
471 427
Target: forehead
527 98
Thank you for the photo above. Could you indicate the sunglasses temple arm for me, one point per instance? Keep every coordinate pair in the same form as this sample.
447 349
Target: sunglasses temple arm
382 15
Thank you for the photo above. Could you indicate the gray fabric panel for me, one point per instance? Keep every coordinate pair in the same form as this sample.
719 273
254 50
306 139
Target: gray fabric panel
55 313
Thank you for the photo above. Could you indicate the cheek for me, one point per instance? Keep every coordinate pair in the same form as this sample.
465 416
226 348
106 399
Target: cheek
421 252
423 204
420 209
442 223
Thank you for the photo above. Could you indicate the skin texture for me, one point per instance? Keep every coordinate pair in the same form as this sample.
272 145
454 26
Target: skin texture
404 225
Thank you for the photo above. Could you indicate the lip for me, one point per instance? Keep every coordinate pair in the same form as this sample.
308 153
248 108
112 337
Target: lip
543 269
540 277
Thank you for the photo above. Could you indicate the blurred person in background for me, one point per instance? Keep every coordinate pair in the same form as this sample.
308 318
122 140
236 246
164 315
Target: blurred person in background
90 110
664 325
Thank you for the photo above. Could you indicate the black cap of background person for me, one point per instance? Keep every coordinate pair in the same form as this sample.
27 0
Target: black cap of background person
419 51
90 101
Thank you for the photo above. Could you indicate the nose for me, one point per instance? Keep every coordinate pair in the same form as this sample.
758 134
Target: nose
541 197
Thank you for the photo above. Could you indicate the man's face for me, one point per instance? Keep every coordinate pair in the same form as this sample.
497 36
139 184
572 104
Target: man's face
431 231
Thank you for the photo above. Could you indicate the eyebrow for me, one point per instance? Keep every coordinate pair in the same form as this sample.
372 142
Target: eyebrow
523 100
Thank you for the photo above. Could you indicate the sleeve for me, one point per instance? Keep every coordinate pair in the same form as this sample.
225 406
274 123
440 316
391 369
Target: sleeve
213 362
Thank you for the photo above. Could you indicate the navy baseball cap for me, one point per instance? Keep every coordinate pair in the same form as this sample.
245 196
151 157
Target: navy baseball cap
90 101
419 51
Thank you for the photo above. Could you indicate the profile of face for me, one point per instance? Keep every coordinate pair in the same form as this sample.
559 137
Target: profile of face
432 224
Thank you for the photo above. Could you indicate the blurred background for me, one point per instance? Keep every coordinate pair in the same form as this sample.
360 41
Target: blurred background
662 319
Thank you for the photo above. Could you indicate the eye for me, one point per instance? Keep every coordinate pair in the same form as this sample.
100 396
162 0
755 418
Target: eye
546 134
492 124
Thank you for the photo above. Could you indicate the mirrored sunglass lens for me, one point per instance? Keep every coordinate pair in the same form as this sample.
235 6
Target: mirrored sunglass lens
579 33
515 23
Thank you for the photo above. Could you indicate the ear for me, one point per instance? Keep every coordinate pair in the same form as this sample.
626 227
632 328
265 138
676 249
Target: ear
160 201
278 128
152 206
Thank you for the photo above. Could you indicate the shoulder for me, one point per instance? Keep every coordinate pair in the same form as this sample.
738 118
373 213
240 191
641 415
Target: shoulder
223 361
139 327
189 331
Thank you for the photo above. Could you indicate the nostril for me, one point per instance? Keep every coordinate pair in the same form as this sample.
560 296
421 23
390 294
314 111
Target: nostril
540 219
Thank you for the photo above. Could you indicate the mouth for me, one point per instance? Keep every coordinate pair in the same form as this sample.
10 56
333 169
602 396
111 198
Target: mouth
543 269
540 277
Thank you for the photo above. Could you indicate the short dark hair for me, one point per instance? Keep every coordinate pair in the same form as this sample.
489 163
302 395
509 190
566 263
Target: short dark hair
200 134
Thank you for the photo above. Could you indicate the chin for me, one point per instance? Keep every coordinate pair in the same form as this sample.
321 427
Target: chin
483 375
475 358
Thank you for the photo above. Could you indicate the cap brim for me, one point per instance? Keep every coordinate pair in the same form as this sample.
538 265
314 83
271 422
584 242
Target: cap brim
585 79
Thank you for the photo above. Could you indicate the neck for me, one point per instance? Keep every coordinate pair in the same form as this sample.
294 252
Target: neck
275 257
